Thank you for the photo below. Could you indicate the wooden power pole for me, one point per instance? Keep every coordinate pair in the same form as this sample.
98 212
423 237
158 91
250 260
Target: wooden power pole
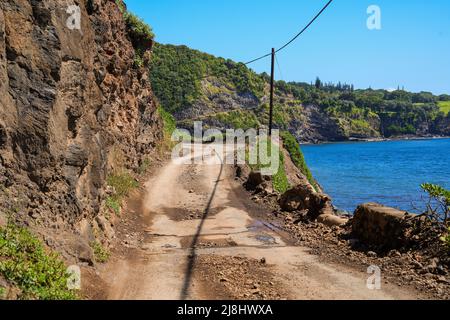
271 92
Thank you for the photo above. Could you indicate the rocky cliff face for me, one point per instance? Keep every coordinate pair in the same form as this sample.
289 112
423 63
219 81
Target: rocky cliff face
70 101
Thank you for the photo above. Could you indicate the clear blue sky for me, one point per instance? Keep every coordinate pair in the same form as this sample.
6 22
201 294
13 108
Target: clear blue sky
412 49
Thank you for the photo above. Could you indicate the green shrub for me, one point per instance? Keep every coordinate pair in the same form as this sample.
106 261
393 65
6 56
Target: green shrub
446 238
122 183
138 61
168 121
113 203
101 254
120 4
280 180
25 263
139 31
169 128
438 206
293 147
238 119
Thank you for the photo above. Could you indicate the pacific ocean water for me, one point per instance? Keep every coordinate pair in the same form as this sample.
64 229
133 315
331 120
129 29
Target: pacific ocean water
388 172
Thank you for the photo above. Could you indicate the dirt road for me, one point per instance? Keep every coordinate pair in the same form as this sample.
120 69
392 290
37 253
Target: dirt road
201 239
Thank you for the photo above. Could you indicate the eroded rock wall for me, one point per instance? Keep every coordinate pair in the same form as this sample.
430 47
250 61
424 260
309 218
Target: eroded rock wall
71 104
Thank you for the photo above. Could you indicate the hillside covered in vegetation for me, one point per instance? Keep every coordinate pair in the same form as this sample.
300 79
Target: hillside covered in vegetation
197 86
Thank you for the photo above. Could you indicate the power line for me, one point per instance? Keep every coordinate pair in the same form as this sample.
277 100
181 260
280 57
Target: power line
296 36
257 59
307 26
285 45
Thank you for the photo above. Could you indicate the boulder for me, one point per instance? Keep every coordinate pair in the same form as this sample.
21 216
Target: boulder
331 220
304 197
265 188
255 178
82 251
320 204
242 171
297 198
379 225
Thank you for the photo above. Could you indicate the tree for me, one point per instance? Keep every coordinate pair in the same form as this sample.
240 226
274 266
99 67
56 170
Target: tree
318 83
438 205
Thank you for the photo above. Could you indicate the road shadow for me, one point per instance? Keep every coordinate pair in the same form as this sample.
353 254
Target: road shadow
193 247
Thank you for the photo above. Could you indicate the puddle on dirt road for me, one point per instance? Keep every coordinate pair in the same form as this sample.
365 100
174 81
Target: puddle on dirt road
230 225
266 239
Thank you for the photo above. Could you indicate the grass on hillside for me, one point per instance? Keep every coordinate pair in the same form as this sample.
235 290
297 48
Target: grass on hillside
444 106
123 183
170 126
279 179
293 147
25 263
239 119
101 254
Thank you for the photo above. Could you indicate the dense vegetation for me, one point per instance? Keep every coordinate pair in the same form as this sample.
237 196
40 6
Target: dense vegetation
292 146
279 178
140 33
178 73
438 206
395 112
436 223
183 78
25 263
444 106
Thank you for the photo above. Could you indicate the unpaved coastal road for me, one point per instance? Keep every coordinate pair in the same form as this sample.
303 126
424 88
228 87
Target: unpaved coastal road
202 241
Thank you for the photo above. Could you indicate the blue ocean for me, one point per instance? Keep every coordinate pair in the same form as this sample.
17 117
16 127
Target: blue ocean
388 172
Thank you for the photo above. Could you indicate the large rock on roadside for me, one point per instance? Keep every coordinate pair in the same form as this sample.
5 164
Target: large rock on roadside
331 220
296 198
379 225
304 197
255 178
242 171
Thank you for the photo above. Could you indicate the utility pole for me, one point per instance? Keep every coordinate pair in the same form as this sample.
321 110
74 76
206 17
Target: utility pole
271 92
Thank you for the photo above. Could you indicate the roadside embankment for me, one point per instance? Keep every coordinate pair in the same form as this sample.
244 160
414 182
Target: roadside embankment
395 241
